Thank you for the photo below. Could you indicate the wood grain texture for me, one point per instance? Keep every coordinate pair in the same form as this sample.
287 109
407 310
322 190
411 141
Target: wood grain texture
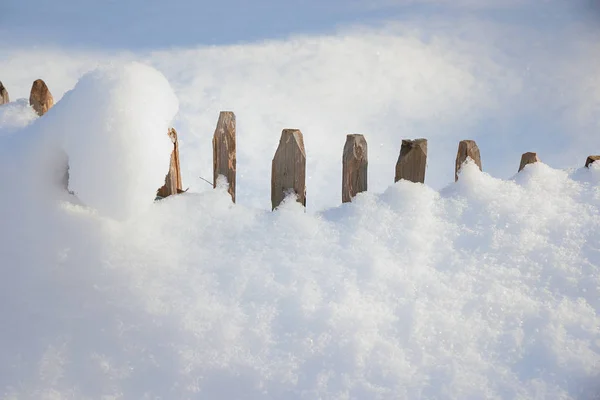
288 172
40 98
528 158
590 160
224 150
173 178
466 149
4 98
412 161
354 167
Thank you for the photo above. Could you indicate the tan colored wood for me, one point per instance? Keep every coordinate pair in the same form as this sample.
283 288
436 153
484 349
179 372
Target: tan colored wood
412 161
173 179
288 173
528 158
224 150
4 98
40 97
590 160
354 167
466 149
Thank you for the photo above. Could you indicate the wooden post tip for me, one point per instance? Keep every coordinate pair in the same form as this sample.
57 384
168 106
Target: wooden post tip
590 160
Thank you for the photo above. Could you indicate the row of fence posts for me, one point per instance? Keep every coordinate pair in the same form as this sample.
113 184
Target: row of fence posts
40 98
288 172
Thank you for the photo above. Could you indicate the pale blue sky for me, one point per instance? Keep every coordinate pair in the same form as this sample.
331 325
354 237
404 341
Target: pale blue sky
136 24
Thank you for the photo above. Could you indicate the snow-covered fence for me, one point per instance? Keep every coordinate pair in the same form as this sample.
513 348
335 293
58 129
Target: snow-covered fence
288 172
591 159
528 158
3 95
412 161
354 167
224 150
40 98
173 183
466 149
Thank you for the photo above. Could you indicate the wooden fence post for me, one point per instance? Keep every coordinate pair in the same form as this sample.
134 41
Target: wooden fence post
4 99
173 179
466 149
412 161
288 172
40 97
528 158
224 154
355 161
590 160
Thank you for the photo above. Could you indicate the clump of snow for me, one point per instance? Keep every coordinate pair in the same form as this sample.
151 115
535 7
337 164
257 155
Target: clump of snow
15 115
113 128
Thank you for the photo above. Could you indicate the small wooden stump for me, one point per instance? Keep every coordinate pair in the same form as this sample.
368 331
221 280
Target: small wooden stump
288 171
4 99
528 158
224 156
354 167
590 160
466 149
412 161
40 98
173 179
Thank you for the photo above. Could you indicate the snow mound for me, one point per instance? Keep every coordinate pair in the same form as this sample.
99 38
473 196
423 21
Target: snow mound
486 289
113 127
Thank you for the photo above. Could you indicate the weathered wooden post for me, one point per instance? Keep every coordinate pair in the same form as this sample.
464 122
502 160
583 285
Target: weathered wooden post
173 179
355 161
528 158
590 160
466 149
40 97
288 173
4 99
224 156
412 161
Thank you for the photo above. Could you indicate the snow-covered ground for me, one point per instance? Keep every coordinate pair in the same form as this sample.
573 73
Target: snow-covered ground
488 288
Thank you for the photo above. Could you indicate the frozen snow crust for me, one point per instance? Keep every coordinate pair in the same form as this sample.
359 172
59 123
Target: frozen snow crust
488 289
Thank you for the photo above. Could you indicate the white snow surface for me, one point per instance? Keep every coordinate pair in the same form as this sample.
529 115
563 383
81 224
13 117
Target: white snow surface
113 128
486 289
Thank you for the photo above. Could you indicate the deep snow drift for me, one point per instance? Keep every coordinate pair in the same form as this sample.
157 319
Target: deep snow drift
486 289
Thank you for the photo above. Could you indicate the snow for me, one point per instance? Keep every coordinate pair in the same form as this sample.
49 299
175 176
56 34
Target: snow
113 128
15 115
484 288
488 288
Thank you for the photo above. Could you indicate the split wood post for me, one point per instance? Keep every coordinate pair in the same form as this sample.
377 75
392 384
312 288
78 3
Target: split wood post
224 154
354 167
40 97
4 99
288 171
528 158
412 161
173 179
590 160
466 149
